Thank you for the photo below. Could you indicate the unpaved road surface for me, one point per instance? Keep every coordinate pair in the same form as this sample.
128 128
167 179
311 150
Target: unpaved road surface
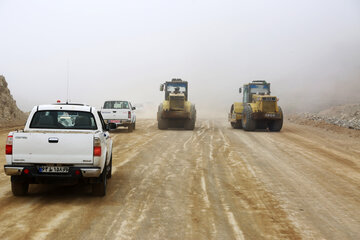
211 183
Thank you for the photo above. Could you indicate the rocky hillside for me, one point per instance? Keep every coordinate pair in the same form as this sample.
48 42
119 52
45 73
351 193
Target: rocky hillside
347 116
10 114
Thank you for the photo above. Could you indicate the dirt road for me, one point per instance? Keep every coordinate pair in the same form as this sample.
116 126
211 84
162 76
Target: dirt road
211 183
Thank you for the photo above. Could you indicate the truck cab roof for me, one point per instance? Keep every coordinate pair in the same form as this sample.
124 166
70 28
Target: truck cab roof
117 100
64 106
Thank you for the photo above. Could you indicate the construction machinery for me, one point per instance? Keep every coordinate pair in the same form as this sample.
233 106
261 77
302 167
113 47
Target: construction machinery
176 111
259 109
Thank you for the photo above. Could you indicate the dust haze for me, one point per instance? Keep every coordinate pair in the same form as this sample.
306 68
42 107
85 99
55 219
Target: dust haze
308 50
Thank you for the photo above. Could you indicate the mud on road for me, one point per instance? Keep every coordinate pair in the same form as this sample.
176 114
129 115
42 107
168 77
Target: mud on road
211 183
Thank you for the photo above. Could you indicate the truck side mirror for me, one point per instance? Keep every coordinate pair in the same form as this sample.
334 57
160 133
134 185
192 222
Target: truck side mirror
240 90
133 108
161 87
110 126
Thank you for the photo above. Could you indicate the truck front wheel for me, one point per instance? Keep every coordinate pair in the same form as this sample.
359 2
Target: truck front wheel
190 123
237 124
248 123
276 125
163 124
19 188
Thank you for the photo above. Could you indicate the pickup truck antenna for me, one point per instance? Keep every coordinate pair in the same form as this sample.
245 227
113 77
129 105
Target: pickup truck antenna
67 91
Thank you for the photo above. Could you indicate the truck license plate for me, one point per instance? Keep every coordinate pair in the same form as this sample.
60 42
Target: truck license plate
114 121
53 169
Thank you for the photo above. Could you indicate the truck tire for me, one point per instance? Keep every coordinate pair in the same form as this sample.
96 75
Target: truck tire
237 124
109 168
160 109
190 123
99 188
130 128
276 125
134 125
19 188
248 123
261 124
162 123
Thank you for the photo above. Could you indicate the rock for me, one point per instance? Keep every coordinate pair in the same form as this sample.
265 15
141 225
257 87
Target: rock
347 116
10 114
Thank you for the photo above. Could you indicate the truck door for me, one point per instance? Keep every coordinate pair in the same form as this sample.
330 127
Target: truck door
106 135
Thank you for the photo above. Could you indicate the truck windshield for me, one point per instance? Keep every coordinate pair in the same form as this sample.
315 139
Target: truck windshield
172 86
116 105
63 120
259 89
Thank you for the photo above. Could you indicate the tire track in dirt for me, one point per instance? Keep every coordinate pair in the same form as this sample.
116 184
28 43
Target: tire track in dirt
202 214
155 173
258 213
295 165
211 183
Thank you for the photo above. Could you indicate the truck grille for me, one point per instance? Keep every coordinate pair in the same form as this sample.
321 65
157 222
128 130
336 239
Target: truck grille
269 99
268 106
177 102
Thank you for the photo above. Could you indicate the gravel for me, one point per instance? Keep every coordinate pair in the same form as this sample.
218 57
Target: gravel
347 116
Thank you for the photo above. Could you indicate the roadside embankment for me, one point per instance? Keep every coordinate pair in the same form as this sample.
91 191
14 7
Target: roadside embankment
10 114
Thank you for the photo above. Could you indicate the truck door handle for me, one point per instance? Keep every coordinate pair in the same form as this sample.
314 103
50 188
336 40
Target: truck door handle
53 140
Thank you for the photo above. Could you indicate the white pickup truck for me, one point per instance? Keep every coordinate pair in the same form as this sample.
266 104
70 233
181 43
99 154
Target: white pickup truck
122 113
60 143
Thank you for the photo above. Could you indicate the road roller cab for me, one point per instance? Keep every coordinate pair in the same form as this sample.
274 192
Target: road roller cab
176 110
259 109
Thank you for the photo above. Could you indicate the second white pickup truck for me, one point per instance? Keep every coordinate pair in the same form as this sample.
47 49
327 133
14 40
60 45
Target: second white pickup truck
121 113
61 143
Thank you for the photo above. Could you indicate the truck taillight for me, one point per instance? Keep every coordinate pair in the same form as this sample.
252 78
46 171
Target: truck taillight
97 147
129 114
9 145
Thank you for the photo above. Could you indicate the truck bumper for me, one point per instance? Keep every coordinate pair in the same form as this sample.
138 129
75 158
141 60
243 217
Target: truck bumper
261 115
12 170
119 123
32 171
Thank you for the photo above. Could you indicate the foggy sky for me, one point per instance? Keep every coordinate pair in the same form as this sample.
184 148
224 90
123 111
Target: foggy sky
308 50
